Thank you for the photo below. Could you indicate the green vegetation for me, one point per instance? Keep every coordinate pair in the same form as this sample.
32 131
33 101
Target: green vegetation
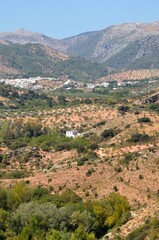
15 137
154 107
33 60
59 142
13 174
100 90
138 137
90 156
28 99
109 133
123 109
101 123
79 69
33 213
144 120
18 99
30 59
34 134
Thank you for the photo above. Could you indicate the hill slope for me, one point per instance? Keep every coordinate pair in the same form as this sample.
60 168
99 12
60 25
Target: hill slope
101 45
141 54
97 46
39 60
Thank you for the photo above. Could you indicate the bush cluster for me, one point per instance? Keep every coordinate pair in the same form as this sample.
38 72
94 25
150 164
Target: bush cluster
33 213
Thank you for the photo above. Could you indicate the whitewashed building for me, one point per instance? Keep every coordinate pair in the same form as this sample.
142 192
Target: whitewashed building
72 133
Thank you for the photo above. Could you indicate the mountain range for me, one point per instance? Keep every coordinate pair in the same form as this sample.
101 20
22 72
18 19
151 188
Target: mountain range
118 47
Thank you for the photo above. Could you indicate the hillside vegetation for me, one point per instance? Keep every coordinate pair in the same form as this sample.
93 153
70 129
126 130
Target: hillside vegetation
103 182
30 60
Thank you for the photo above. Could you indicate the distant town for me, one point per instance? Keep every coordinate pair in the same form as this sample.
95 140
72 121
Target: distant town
37 83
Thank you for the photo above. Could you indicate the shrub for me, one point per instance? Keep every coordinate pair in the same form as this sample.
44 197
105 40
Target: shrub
154 107
138 137
141 176
136 112
90 156
127 126
82 160
81 149
13 174
68 196
118 169
98 124
144 119
94 146
40 192
89 172
16 174
128 157
123 108
109 133
115 188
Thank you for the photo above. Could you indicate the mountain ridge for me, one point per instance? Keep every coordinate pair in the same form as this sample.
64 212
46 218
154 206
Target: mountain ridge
94 45
118 47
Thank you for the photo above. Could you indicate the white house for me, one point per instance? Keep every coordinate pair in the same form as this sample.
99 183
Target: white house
105 84
90 85
72 134
67 82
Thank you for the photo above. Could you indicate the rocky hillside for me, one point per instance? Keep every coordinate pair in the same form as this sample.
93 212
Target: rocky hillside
142 53
104 44
98 45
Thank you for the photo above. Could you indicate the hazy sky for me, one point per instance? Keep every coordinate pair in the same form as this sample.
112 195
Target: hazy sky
64 18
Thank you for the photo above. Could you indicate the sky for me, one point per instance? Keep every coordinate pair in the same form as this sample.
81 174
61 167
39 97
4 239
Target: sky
64 18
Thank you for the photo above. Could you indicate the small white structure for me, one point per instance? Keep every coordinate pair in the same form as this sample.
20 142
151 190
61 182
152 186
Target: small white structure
89 85
72 134
67 82
105 84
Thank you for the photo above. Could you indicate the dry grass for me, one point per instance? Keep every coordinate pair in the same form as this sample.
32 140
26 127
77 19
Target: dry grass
137 180
131 75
